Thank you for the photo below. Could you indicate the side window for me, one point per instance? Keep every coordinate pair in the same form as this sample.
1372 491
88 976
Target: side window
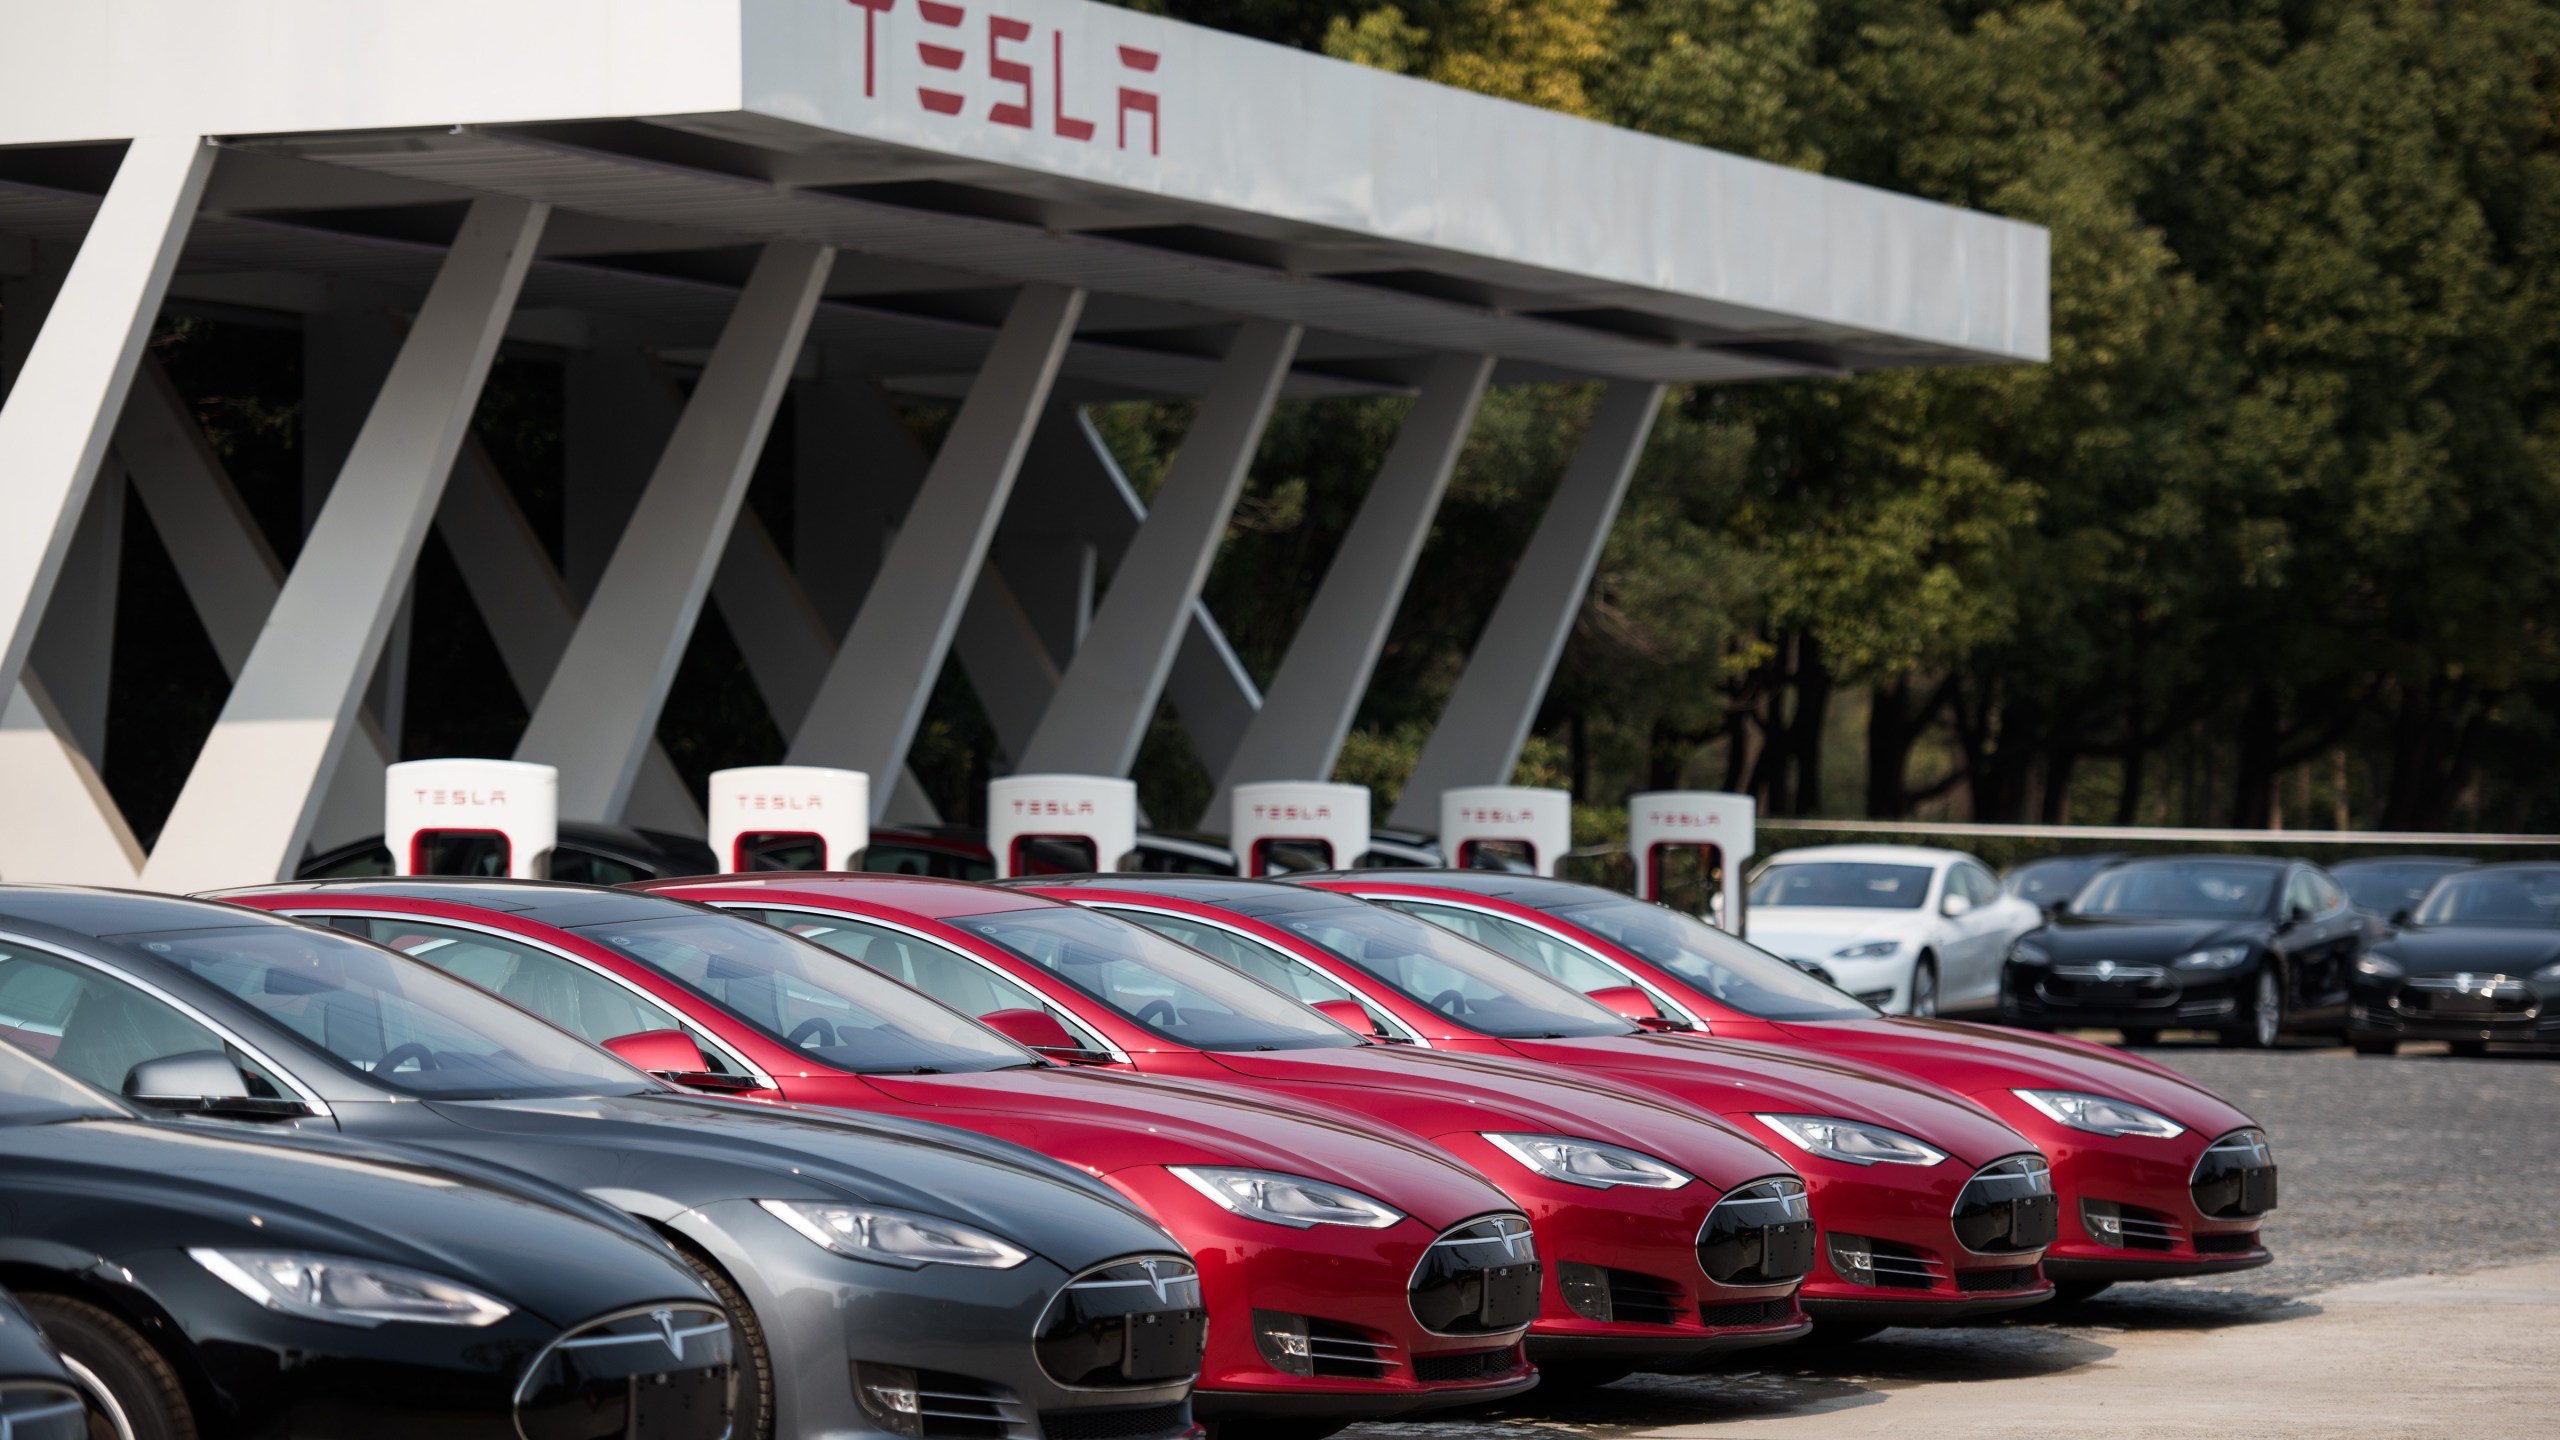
561 991
2332 899
2299 893
1282 972
1979 887
954 979
1549 957
98 1027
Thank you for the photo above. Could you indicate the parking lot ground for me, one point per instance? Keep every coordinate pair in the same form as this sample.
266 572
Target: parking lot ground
2416 1292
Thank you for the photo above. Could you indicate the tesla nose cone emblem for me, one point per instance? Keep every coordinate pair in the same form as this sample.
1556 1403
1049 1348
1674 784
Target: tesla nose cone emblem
666 1322
1155 1280
2106 969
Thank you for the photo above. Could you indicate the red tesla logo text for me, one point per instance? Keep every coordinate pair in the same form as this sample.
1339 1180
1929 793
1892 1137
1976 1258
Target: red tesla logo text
442 798
782 802
1052 807
1474 816
1292 812
1012 61
1683 818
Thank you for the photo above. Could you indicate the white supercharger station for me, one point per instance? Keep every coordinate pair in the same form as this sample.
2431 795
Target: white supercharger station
770 810
1093 815
1537 819
471 817
1298 812
1664 824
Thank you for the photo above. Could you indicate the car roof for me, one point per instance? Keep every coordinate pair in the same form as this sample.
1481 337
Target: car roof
2448 862
1871 854
1535 891
2215 856
915 894
95 910
1229 892
560 905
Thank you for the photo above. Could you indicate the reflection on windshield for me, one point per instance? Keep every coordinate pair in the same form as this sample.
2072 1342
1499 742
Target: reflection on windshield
2383 889
1731 971
33 1093
810 998
2181 889
400 1021
1177 993
2508 899
1842 884
1476 987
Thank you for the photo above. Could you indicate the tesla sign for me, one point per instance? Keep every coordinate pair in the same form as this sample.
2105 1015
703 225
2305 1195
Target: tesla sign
977 63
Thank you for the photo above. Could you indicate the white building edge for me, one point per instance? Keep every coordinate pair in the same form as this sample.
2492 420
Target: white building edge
1023 206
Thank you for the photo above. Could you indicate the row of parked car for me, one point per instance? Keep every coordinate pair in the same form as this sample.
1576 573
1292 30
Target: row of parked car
2379 950
1070 1158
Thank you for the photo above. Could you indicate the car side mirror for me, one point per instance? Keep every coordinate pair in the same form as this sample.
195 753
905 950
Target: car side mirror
675 1057
2401 917
1632 1002
2295 915
201 1082
1038 1030
1353 1016
1955 905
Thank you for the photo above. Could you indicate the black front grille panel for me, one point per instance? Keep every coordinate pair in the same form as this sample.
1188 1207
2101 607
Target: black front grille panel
2236 1178
2240 1244
2108 985
959 1407
1145 1422
1479 1278
2129 1227
1989 1282
1345 1353
662 1372
2494 997
1134 1322
1863 1261
1469 1365
1759 1234
1747 1312
1595 1292
2008 1207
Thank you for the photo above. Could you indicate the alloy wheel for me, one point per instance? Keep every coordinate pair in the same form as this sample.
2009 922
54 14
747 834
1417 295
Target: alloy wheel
2266 1021
107 1420
1924 990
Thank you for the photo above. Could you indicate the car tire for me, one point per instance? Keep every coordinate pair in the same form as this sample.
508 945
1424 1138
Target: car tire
133 1392
2072 1292
2378 1049
2142 1035
2262 1021
1924 987
755 1419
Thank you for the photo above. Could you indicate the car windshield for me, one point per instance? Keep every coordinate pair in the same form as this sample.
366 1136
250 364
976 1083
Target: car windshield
400 1021
1483 990
1171 990
34 1093
1841 885
1731 971
2051 882
2384 889
807 997
2181 890
2508 899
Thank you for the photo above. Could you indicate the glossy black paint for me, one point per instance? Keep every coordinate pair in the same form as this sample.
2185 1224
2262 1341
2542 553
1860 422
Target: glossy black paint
2103 970
37 1401
2487 976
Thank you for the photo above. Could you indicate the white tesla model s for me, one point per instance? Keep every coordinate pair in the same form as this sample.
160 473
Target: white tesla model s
1912 931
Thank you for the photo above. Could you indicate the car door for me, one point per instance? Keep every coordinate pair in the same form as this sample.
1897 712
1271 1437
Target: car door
2343 934
1979 940
2304 941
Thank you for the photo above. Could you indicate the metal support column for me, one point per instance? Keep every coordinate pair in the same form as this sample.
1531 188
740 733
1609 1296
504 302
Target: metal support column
1108 695
1299 730
62 407
250 802
1479 736
866 712
599 714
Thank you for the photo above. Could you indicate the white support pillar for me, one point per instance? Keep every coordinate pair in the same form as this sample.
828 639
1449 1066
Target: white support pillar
1479 736
1298 732
599 714
867 711
57 822
258 784
1108 695
62 408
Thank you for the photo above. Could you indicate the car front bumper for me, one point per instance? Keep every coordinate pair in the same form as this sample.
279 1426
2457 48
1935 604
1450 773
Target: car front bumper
1899 1220
2133 997
2491 1008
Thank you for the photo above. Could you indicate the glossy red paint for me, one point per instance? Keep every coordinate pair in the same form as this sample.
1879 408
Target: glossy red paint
1909 1206
1989 1063
1126 1129
1648 1236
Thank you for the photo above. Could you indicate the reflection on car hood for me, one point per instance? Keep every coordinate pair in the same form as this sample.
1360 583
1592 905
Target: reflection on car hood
1979 1059
2080 938
115 1188
2481 949
1116 1122
702 1150
1812 932
1438 1093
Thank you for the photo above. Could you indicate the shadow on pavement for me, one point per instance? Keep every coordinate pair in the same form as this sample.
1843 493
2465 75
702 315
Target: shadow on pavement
2169 1307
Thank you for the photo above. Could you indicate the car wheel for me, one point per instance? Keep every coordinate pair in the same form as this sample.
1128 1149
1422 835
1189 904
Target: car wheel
133 1393
2262 1021
2072 1292
2142 1035
1924 987
755 1374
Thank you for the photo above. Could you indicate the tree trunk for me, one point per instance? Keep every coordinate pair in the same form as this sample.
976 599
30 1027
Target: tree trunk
2253 786
1889 740
1813 710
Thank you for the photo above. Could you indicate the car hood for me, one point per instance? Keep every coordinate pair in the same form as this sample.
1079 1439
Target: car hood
662 1152
1735 1078
1812 932
1438 1093
115 1188
2072 938
1984 1059
1108 1123
2480 949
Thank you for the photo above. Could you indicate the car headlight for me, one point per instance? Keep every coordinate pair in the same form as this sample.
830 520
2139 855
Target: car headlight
894 1237
2383 967
1871 950
2025 954
1850 1141
1588 1162
2218 957
2099 1115
1291 1200
349 1292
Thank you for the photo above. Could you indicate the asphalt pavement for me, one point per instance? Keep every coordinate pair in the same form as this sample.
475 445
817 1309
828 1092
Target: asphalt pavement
2417 1203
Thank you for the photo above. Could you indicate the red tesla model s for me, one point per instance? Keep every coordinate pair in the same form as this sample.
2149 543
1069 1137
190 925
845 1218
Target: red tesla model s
2161 1177
1666 1235
1347 1272
1930 1211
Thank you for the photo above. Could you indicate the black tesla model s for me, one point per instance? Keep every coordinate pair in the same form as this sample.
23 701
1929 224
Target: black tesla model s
2478 961
2246 945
